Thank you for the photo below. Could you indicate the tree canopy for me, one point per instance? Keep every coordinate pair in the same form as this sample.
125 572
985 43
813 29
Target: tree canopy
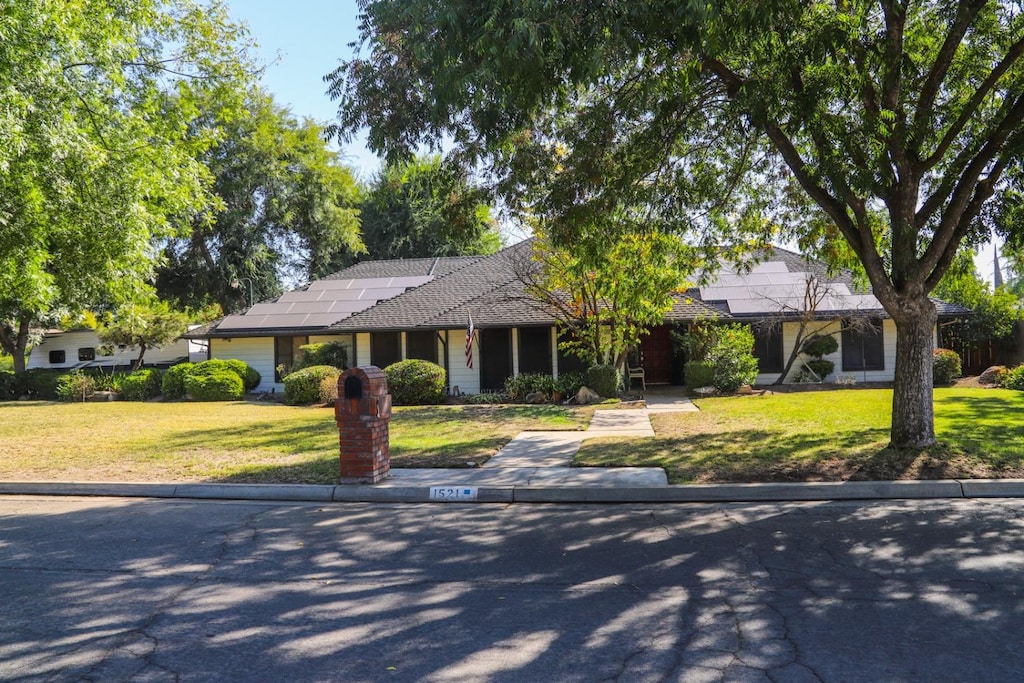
880 134
287 209
148 324
98 149
425 207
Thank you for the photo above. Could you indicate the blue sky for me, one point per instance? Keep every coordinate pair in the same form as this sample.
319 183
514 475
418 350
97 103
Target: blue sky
300 41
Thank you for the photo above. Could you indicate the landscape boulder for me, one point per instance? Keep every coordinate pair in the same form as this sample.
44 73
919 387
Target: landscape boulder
585 396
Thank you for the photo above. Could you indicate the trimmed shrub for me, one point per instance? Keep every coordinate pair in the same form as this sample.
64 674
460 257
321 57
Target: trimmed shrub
322 353
699 373
173 382
141 385
37 384
569 383
604 380
302 387
329 390
75 386
250 378
728 349
8 386
215 385
518 388
1014 378
818 345
945 366
414 382
816 370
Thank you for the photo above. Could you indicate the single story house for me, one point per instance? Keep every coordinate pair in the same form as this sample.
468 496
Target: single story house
386 311
81 348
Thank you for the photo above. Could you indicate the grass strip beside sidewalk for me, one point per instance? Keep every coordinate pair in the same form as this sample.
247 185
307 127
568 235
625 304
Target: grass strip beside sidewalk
838 435
244 442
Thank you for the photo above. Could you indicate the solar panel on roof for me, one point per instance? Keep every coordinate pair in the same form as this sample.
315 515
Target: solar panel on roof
241 322
300 296
382 293
770 267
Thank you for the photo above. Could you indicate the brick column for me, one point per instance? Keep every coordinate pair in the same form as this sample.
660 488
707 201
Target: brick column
363 412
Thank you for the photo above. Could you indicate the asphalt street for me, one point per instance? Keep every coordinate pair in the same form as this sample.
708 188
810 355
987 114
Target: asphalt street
108 589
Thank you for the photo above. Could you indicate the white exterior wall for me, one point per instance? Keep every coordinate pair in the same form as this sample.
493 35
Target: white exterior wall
70 342
466 379
789 331
362 348
258 352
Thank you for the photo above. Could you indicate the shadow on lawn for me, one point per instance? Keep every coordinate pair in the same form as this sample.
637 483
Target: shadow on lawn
759 455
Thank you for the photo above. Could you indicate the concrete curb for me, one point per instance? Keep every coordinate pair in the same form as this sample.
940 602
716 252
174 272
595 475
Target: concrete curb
385 493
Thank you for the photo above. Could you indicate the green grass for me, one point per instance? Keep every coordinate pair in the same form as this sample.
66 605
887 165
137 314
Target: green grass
242 441
835 435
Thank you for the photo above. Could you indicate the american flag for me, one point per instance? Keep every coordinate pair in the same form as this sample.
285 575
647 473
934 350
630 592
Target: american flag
469 343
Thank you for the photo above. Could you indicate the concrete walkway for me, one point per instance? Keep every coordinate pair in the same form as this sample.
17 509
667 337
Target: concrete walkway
544 457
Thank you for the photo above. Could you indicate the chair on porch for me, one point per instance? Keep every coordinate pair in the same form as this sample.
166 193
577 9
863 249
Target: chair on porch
635 369
637 373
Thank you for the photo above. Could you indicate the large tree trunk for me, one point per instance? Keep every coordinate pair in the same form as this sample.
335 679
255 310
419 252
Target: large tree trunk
16 343
913 423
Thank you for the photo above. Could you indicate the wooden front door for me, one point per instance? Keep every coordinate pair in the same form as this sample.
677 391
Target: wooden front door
656 349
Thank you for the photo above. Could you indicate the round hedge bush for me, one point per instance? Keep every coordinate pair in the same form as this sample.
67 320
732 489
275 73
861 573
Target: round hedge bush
945 366
302 387
415 382
214 385
173 382
699 373
818 345
141 385
250 377
603 379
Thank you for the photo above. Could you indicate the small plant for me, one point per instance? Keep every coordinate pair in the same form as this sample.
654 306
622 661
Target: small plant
604 380
108 382
945 366
302 387
1014 378
141 385
487 398
569 383
75 386
521 386
414 382
215 385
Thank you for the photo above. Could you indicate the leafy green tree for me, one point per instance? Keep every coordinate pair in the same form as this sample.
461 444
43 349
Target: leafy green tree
895 122
287 209
146 325
606 314
995 312
426 207
96 155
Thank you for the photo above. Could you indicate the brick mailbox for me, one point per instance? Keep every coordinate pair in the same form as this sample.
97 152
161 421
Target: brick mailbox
363 411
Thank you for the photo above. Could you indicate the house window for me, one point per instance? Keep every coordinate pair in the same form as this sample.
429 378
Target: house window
286 351
57 357
768 347
862 346
87 353
567 361
385 348
535 350
422 345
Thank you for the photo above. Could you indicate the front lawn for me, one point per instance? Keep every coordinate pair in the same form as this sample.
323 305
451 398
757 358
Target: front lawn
242 441
834 435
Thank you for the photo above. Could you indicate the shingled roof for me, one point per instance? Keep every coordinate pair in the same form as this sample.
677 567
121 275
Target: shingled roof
444 292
